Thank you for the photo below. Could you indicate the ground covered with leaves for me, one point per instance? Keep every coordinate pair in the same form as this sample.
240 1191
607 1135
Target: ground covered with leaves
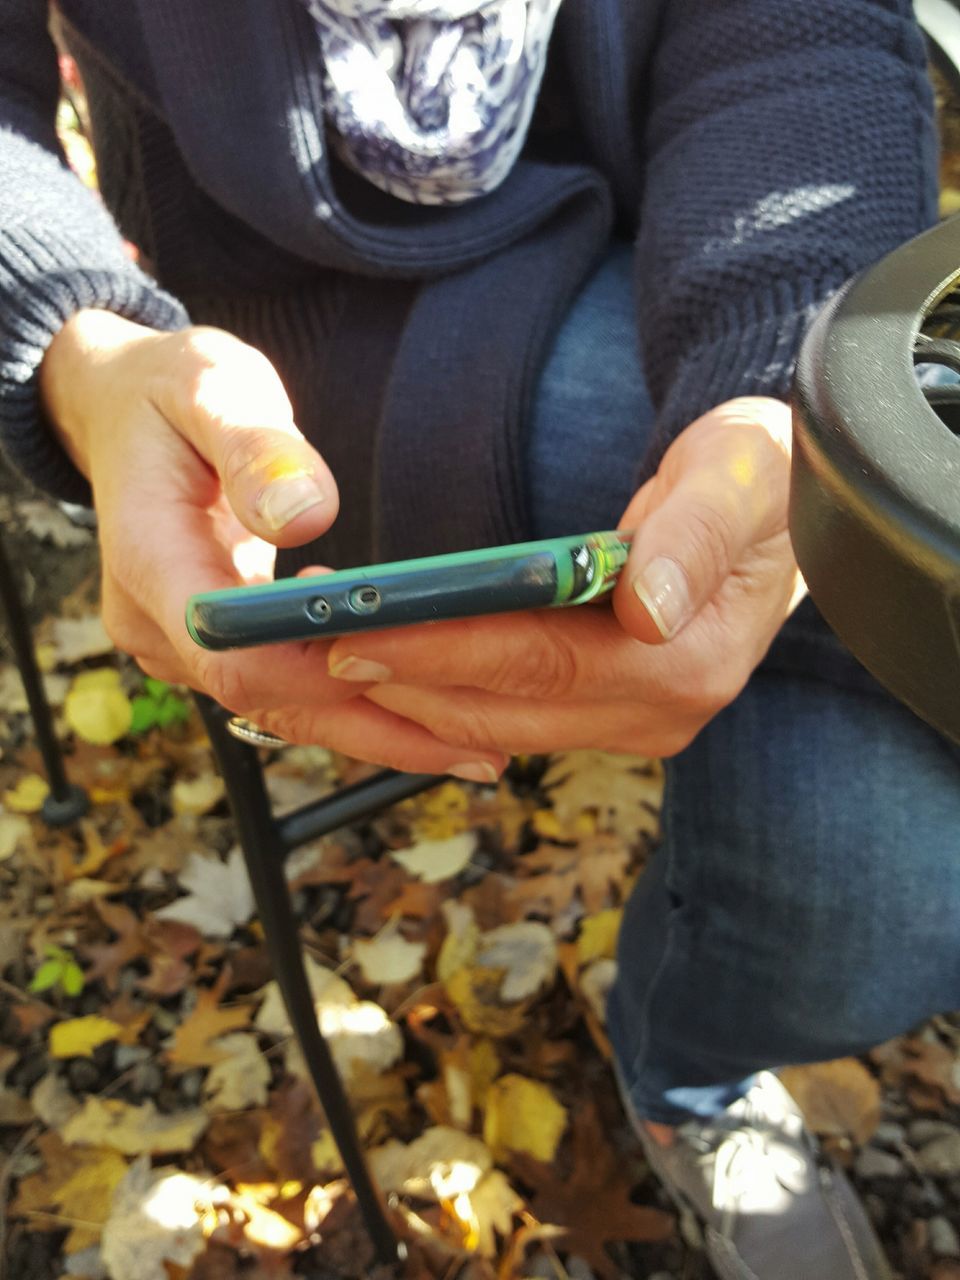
155 1121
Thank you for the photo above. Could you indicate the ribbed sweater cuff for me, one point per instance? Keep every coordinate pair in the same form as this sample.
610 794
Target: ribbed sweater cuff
44 280
752 356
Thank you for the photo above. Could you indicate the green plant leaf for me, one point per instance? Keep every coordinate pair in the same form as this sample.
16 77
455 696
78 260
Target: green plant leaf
144 714
172 710
47 976
157 689
72 979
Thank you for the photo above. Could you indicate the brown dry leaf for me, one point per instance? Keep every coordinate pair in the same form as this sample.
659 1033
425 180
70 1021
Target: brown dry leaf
417 900
193 1041
926 1069
589 1197
15 1110
134 1131
289 1129
170 944
837 1098
108 959
96 854
76 1184
131 1018
623 792
503 810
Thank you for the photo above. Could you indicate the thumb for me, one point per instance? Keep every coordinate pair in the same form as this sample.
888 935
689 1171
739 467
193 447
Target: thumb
722 489
228 401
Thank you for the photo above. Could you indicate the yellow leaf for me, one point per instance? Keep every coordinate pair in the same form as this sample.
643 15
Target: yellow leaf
598 936
86 1197
440 813
97 709
476 993
28 795
47 656
523 1115
14 828
78 1037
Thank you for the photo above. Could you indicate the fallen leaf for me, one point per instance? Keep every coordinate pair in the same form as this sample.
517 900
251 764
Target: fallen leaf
389 957
436 860
13 696
47 522
14 829
494 1203
361 1037
837 1098
53 1101
439 813
154 1221
78 1037
589 1196
597 939
75 639
133 1131
441 1162
196 796
623 792
195 1041
28 795
108 959
96 708
74 1184
240 1079
15 1110
220 897
523 1115
526 951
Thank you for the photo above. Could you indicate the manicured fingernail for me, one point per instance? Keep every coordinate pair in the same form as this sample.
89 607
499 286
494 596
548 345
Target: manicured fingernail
474 771
360 669
284 500
663 592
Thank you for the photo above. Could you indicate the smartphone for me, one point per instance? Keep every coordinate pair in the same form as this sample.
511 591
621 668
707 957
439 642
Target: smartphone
527 575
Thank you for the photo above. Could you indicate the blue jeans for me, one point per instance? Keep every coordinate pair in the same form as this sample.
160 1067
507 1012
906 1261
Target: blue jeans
804 903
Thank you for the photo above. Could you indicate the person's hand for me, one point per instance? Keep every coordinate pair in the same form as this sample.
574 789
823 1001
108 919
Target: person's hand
710 578
199 473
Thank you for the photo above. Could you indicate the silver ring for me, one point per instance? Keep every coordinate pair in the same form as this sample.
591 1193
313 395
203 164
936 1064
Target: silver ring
250 733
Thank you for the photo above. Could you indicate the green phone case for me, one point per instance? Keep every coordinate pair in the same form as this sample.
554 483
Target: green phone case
529 575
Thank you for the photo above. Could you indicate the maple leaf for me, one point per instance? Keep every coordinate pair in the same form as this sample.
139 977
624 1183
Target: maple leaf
590 1200
240 1079
624 792
170 944
193 1041
220 896
109 958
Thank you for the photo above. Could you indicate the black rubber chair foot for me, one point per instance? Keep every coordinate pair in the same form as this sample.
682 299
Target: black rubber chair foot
59 812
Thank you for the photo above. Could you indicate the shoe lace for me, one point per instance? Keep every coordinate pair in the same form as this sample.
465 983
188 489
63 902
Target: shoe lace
745 1159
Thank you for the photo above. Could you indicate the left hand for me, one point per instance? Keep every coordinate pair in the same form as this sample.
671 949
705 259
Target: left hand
710 579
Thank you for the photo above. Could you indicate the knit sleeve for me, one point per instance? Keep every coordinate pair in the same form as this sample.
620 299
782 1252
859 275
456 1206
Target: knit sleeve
59 249
789 144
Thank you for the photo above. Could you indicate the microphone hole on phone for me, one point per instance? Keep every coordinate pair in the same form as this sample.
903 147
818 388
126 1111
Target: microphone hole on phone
364 599
318 610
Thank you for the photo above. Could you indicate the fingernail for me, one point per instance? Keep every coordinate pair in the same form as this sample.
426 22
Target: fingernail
360 669
474 771
283 501
662 590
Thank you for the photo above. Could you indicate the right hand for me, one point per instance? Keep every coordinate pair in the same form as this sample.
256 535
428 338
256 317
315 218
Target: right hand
199 473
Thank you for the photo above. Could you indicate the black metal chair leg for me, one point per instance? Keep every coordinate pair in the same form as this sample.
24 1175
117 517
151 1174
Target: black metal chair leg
66 801
266 841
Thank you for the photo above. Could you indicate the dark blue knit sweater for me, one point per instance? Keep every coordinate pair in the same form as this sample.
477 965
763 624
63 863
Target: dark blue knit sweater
760 151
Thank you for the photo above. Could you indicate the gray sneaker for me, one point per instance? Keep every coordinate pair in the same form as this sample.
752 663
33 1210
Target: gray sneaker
768 1205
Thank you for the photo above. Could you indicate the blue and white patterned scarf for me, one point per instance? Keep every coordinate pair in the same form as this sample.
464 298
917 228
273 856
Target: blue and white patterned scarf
431 99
